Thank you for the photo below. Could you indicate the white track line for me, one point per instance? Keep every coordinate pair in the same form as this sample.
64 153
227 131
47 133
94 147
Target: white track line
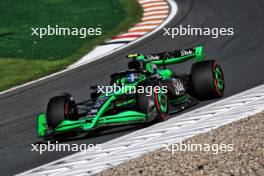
155 3
149 139
151 22
160 11
154 16
155 8
134 33
142 27
124 39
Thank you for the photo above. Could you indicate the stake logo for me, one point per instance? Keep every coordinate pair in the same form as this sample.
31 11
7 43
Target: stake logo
186 52
153 57
178 86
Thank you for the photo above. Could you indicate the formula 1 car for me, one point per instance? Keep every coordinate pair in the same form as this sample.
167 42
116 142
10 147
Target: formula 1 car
147 91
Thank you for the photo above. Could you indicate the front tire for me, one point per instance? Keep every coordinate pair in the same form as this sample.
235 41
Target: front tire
60 108
207 80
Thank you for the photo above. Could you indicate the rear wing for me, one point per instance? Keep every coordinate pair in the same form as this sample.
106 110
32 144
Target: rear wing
173 57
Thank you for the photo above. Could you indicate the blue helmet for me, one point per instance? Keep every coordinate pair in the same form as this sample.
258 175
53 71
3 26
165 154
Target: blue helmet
132 77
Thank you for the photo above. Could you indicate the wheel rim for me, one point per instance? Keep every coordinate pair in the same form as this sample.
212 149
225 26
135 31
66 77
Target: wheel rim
219 78
162 101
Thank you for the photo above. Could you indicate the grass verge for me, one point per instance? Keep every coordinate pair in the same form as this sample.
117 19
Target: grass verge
24 57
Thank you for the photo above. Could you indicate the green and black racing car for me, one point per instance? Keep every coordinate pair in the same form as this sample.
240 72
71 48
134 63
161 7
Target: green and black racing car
147 91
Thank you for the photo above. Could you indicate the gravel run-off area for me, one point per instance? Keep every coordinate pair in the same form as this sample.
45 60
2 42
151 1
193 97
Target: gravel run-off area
240 152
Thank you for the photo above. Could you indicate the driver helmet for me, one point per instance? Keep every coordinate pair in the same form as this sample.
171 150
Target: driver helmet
132 77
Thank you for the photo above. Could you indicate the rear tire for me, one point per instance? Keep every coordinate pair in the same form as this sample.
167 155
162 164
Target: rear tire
148 103
60 108
207 80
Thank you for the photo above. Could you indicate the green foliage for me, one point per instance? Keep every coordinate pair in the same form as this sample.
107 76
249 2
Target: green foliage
24 57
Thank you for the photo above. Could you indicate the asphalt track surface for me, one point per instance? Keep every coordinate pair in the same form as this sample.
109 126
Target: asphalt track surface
242 58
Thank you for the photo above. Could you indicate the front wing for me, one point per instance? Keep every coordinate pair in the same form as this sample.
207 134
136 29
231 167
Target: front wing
87 123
